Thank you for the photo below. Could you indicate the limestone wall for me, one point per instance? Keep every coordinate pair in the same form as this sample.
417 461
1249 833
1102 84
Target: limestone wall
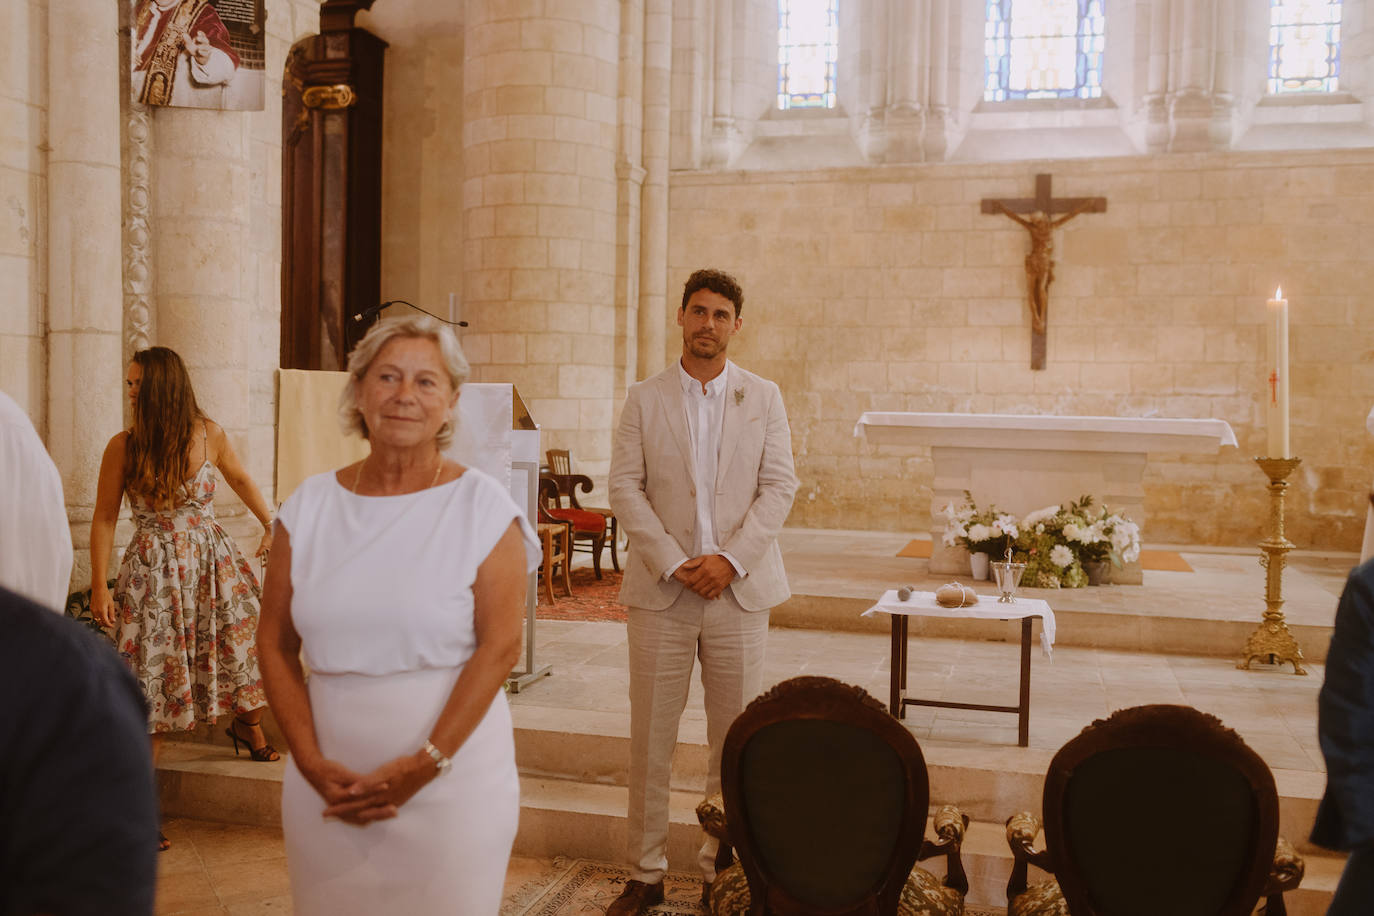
216 242
23 203
422 152
539 200
885 288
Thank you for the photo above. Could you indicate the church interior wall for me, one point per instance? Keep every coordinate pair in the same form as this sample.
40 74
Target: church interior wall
23 203
885 288
215 222
422 152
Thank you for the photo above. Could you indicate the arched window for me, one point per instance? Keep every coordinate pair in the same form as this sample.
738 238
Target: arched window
1043 49
808 42
1304 45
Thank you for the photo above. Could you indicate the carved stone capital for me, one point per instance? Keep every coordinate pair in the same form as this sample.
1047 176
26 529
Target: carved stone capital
138 234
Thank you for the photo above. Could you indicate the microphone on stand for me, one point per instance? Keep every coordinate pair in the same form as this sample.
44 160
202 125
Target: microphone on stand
372 310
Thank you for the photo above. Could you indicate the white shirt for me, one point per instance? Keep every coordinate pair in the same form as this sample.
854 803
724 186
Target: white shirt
35 539
705 409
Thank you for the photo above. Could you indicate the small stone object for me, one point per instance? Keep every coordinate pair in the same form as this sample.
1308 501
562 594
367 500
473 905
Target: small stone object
955 595
904 593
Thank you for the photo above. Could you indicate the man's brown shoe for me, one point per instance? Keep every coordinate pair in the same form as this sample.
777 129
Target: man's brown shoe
636 898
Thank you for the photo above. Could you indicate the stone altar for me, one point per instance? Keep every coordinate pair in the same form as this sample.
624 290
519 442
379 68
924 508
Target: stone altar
1023 462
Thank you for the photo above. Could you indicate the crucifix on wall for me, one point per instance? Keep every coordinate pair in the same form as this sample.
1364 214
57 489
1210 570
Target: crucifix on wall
1040 221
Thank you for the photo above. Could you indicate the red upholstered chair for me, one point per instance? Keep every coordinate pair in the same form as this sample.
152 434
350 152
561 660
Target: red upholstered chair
590 533
584 525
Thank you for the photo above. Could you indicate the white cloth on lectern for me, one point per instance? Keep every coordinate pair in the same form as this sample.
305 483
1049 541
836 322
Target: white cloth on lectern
35 539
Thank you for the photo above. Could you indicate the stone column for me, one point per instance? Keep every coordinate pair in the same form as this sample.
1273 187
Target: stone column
1188 103
653 248
908 117
206 272
629 173
85 371
727 138
935 136
539 199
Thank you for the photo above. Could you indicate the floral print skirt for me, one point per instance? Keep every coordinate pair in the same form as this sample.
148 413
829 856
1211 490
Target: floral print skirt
186 616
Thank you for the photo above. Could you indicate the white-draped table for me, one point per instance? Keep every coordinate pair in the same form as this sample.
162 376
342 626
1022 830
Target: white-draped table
1024 462
923 604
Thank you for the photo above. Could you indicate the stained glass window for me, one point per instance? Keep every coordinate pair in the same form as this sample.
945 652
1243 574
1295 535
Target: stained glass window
1304 45
808 41
1043 49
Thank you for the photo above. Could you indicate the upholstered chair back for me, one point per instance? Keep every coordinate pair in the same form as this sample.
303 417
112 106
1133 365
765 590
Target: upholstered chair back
1160 809
826 796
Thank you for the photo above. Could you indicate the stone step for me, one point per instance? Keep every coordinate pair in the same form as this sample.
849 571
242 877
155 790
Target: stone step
558 816
586 817
989 783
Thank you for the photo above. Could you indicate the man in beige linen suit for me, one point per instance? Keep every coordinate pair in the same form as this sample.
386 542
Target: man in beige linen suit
701 481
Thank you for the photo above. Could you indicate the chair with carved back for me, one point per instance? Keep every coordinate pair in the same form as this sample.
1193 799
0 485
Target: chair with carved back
588 532
1155 809
824 795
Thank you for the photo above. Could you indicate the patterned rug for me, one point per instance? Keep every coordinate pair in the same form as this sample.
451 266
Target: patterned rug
586 888
580 887
591 599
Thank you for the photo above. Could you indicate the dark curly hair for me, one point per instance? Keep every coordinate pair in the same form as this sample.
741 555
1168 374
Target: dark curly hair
718 282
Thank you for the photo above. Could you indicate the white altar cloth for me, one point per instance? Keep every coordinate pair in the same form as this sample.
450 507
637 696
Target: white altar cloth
1024 462
997 430
923 604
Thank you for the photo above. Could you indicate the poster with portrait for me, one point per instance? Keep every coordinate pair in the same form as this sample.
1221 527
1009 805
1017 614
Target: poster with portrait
199 53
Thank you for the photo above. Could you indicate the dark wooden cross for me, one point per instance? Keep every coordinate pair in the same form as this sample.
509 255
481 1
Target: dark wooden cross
1040 221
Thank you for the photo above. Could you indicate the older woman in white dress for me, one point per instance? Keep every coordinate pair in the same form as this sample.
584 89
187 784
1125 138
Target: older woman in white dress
401 579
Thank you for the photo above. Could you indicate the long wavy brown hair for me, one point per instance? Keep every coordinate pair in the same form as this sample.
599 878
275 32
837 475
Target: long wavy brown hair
165 416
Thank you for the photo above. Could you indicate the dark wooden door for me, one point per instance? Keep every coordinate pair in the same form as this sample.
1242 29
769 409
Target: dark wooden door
331 189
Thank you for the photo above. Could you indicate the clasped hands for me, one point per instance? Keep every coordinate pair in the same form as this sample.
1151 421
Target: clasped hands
360 799
706 575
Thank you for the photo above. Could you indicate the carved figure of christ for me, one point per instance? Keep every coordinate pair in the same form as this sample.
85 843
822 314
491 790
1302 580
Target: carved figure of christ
1040 221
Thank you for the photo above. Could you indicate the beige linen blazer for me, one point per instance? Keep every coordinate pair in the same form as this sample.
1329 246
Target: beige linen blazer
653 489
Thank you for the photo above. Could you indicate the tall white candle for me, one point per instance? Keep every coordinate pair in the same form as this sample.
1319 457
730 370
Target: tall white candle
1276 377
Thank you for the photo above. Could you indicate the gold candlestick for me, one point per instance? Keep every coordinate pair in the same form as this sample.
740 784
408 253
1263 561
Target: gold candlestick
1272 641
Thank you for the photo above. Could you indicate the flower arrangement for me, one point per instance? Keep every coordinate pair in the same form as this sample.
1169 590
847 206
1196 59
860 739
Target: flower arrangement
1097 535
979 530
1042 546
1054 542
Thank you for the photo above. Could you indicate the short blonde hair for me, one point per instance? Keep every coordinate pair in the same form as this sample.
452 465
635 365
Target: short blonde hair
382 333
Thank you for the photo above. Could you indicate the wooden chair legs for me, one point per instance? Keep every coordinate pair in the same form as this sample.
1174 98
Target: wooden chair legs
555 540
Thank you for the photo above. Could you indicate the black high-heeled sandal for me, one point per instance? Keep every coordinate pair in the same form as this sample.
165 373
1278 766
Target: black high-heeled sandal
265 754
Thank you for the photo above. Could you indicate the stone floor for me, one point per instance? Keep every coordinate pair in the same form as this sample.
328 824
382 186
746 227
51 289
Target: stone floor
1273 709
233 870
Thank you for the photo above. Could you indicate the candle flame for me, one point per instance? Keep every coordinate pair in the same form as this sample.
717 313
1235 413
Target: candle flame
1278 293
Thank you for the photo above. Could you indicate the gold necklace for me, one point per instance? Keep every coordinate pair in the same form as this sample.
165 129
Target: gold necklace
357 478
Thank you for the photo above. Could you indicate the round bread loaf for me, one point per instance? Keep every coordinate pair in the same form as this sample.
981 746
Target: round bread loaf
955 595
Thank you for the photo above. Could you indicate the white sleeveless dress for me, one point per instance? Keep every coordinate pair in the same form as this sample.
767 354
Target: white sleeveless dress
382 599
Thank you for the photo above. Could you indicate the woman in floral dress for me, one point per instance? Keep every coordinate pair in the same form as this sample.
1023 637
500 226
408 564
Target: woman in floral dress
184 610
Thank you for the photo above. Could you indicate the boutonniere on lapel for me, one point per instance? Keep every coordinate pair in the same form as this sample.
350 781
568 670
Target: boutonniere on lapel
739 396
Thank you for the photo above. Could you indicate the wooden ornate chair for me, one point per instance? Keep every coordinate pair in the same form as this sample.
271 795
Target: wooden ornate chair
824 795
1155 809
588 530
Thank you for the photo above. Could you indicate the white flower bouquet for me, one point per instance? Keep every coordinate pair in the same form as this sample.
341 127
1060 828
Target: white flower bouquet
979 530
